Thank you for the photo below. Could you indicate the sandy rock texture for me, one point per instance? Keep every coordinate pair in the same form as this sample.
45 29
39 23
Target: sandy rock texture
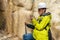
14 14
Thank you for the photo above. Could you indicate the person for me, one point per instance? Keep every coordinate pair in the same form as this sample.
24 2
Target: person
41 25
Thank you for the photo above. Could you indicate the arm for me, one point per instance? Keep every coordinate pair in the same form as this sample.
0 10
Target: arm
42 24
30 26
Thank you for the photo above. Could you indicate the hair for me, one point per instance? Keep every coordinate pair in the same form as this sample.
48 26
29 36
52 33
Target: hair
42 8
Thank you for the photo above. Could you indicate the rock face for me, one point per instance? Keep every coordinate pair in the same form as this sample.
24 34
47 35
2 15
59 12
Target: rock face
14 14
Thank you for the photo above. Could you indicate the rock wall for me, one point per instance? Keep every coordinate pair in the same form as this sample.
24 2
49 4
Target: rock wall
17 12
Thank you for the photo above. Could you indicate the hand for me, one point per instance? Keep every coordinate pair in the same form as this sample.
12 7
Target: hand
31 17
26 23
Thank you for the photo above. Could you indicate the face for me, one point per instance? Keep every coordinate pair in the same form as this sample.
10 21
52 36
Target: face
41 11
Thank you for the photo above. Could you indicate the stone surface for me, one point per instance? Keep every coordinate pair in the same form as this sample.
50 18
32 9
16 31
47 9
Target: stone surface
17 12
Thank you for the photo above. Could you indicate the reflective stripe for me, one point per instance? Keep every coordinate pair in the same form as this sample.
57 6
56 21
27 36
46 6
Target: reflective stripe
43 28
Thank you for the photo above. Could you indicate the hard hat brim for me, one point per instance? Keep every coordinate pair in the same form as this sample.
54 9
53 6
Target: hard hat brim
42 8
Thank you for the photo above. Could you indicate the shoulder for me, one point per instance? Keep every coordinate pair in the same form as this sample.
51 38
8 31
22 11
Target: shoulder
46 14
49 15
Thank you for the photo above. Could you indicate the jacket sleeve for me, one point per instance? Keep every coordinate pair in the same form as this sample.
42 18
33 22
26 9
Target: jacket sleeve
42 24
30 26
